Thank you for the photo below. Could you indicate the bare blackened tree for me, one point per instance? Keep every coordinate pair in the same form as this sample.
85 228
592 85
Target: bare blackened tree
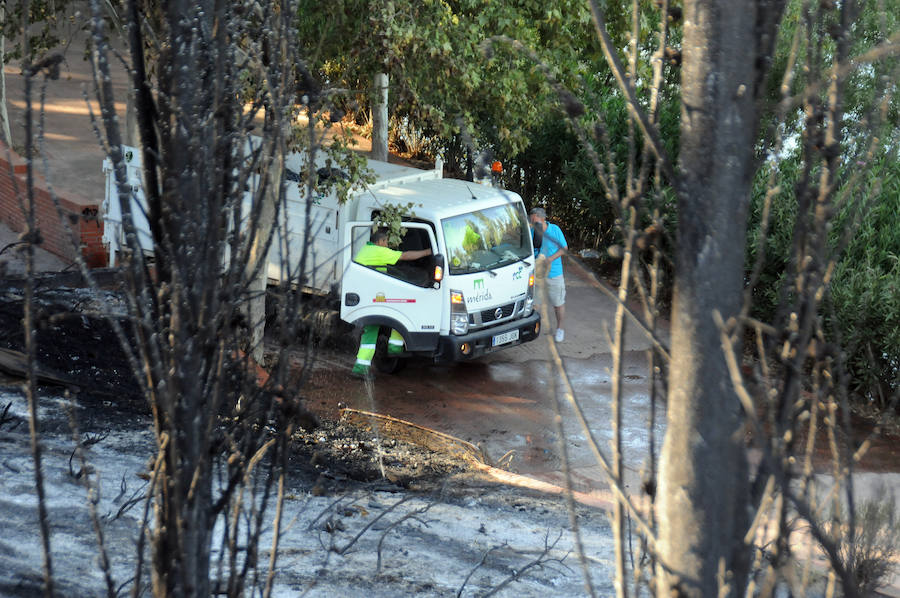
32 237
203 75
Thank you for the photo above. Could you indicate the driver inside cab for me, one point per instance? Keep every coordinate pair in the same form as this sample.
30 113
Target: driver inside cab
376 254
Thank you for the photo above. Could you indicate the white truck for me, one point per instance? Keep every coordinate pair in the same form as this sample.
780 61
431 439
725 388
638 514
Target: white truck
472 296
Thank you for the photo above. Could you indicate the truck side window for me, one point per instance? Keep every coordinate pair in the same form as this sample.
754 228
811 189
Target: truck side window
417 272
413 240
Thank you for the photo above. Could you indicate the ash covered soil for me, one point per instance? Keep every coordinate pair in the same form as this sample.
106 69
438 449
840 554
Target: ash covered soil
363 516
77 345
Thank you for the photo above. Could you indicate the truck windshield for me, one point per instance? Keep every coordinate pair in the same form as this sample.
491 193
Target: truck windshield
486 239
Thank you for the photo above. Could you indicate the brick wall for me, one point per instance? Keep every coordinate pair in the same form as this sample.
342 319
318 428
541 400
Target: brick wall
81 216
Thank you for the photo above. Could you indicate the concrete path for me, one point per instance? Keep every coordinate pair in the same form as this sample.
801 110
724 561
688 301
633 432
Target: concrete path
586 368
69 154
12 260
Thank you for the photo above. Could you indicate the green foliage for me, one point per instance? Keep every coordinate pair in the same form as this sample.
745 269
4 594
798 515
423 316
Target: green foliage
557 172
44 18
338 157
341 156
776 247
868 82
391 216
53 24
862 313
446 75
866 287
458 80
413 140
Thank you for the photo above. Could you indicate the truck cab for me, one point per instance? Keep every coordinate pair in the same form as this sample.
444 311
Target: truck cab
473 296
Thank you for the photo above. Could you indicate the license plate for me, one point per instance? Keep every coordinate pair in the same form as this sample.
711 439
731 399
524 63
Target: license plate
506 337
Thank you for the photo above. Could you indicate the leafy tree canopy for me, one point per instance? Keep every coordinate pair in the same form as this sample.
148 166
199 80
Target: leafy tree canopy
449 65
45 20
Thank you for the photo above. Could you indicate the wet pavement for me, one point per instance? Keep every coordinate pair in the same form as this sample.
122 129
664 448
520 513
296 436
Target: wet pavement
506 405
502 402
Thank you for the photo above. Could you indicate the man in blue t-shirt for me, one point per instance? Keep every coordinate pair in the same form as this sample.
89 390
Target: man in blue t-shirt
551 243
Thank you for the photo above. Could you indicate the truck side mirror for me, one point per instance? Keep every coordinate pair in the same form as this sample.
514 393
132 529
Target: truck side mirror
437 271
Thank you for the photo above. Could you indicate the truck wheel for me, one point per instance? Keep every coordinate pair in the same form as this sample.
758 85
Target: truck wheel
383 362
389 365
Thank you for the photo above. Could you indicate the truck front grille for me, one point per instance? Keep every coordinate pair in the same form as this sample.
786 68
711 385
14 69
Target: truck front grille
489 315
486 317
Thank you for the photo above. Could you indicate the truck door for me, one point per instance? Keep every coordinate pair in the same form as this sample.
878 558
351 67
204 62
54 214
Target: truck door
401 296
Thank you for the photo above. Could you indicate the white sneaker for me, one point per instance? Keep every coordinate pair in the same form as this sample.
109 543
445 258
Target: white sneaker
560 335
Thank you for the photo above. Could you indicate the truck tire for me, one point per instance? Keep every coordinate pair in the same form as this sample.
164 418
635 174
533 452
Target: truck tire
388 364
383 362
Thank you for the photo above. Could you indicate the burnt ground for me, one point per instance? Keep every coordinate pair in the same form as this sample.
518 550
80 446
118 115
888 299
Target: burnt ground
78 346
337 453
425 527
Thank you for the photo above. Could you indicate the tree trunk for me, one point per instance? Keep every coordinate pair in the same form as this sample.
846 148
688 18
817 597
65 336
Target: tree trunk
197 173
380 118
703 472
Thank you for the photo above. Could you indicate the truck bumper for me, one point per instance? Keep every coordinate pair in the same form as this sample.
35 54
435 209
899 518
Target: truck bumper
481 342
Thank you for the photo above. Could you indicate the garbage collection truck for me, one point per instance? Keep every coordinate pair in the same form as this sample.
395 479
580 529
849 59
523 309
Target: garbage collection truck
472 296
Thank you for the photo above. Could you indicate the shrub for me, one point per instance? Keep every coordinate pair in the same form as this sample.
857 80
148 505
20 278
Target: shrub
866 287
864 311
869 554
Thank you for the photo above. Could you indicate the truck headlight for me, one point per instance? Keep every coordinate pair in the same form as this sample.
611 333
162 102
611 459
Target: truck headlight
459 315
529 297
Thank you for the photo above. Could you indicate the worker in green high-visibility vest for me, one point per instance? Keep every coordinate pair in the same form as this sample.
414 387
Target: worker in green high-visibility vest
377 254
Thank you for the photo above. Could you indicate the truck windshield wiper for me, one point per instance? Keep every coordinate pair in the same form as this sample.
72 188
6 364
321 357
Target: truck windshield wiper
499 262
513 258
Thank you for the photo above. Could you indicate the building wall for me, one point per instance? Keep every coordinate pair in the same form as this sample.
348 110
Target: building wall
85 229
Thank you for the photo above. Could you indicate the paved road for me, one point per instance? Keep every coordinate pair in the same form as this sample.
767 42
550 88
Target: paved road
66 142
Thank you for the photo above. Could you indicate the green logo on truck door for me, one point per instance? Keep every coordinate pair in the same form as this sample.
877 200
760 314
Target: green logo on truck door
478 284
